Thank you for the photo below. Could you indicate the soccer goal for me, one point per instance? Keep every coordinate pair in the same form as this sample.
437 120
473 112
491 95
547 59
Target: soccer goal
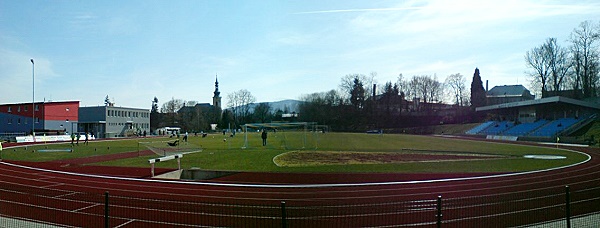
288 136
170 147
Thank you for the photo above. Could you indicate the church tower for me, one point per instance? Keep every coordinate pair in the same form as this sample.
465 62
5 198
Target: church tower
217 96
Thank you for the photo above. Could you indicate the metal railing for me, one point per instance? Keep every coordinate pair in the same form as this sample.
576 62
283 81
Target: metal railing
550 207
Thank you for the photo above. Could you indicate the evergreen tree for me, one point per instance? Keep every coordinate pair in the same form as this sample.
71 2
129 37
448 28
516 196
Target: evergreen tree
478 98
155 117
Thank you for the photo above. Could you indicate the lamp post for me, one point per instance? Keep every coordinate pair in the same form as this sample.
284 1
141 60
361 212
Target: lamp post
33 99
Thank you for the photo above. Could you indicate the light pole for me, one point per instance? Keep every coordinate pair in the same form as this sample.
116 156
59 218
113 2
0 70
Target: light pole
33 100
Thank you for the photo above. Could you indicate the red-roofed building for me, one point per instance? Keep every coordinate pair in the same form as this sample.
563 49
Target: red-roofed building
46 117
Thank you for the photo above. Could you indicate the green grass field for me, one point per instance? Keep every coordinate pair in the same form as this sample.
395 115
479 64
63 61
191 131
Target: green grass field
220 154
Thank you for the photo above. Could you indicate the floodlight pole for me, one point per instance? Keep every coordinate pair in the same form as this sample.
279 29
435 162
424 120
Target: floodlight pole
33 99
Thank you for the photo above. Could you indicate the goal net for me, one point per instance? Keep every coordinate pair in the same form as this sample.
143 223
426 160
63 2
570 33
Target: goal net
287 136
171 147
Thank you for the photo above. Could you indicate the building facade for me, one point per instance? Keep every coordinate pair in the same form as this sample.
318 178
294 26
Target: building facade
111 121
507 94
53 117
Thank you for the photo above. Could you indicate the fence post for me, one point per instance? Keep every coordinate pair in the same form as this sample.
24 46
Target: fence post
568 206
283 215
439 212
106 220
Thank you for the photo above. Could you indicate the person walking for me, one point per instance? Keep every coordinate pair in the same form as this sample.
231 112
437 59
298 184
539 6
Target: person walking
78 136
263 135
86 138
72 138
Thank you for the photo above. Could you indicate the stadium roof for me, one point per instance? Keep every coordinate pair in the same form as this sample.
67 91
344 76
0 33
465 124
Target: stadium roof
548 100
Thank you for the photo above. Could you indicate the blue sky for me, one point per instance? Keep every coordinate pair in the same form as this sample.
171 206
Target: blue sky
133 51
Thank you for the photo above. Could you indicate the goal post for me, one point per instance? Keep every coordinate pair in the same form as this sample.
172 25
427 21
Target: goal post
284 135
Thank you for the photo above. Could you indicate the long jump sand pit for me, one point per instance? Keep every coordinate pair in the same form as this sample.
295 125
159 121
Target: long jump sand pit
316 158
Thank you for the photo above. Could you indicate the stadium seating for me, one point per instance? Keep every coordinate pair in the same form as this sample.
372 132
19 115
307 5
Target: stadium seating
524 128
497 128
479 128
554 127
540 128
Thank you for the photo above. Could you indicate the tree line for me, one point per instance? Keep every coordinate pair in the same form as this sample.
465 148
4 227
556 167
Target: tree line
359 105
194 117
356 105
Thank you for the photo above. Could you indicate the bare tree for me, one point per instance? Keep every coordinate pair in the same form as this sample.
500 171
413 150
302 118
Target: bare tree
585 57
559 64
429 88
403 86
170 109
538 60
348 82
172 106
456 84
239 103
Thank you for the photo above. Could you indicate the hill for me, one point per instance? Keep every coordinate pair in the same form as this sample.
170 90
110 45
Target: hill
288 106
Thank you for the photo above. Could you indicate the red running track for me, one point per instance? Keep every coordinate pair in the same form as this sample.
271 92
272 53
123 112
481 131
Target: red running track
311 200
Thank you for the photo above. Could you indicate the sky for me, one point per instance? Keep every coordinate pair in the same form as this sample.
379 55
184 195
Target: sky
133 51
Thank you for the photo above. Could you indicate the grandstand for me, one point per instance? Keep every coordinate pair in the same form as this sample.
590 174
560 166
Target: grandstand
543 118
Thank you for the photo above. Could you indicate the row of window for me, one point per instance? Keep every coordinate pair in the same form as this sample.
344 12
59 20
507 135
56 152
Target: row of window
25 108
135 125
118 113
25 120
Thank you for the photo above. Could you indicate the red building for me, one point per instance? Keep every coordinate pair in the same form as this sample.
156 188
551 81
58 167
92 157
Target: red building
54 117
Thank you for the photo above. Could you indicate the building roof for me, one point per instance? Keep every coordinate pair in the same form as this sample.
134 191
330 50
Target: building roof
507 91
39 102
547 100
193 108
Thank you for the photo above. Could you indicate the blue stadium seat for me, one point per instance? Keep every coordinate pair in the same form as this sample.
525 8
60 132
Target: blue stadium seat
524 128
498 128
554 127
479 128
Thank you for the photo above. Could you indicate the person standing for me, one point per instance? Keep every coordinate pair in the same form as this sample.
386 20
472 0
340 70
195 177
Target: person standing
263 135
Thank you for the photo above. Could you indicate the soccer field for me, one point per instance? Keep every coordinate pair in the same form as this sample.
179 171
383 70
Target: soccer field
319 152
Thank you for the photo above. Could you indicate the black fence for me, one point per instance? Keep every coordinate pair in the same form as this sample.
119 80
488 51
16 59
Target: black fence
26 206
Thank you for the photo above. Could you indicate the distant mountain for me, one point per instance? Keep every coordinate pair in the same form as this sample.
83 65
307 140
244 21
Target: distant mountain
285 105
288 106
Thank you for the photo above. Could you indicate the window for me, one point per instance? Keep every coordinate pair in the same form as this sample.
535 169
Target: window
9 121
19 121
37 120
26 108
19 109
9 109
37 107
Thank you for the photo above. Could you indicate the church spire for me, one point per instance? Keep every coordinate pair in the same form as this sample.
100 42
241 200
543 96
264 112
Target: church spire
217 94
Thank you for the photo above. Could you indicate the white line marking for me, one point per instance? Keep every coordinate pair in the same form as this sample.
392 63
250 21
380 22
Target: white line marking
301 185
